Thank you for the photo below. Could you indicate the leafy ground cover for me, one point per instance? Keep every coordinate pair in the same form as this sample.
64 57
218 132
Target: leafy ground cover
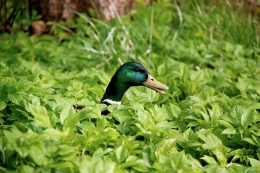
207 122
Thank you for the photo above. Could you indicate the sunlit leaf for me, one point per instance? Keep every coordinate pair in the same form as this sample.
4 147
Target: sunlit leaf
40 115
254 162
210 160
210 141
247 118
64 114
15 98
121 153
2 105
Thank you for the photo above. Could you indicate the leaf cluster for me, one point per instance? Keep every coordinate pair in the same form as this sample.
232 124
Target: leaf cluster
207 122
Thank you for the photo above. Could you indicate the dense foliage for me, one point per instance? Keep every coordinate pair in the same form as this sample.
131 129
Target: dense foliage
208 121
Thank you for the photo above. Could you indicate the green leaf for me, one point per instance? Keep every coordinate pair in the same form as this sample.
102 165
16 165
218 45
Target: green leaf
254 162
219 153
65 149
210 160
211 141
15 98
27 169
2 105
247 118
71 120
64 114
61 165
23 86
255 106
251 141
179 160
145 119
37 154
172 110
215 113
161 70
229 131
40 115
121 153
140 165
224 123
101 124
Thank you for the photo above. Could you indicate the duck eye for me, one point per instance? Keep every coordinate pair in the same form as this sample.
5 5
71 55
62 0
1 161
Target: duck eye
137 69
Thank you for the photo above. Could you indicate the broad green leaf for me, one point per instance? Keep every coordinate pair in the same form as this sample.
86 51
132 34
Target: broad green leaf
145 119
256 139
210 160
231 119
214 113
100 153
241 84
53 133
161 70
211 141
22 151
140 167
158 114
179 160
197 76
53 119
218 169
136 106
71 120
234 168
66 149
183 70
121 153
220 156
251 141
203 123
205 116
61 165
23 86
94 139
2 105
27 169
189 134
64 114
224 123
254 162
15 98
91 165
247 118
37 154
255 105
122 116
40 115
172 110
228 131
24 113
101 124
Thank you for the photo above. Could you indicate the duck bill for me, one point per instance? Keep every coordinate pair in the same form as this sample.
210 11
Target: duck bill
155 85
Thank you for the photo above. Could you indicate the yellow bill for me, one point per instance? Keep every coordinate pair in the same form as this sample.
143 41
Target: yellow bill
155 85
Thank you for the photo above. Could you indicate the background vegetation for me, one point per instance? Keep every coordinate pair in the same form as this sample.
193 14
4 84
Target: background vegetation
208 121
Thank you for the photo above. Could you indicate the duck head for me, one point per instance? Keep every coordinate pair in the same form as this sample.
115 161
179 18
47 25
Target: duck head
130 74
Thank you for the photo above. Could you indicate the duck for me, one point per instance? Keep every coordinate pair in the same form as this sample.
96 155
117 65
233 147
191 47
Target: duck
127 75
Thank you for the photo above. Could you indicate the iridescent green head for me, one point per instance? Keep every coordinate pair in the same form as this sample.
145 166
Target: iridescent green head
129 74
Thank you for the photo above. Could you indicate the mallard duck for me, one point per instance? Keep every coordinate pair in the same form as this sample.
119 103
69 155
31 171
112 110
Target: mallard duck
129 74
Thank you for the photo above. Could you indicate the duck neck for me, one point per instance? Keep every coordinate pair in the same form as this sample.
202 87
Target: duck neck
114 93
